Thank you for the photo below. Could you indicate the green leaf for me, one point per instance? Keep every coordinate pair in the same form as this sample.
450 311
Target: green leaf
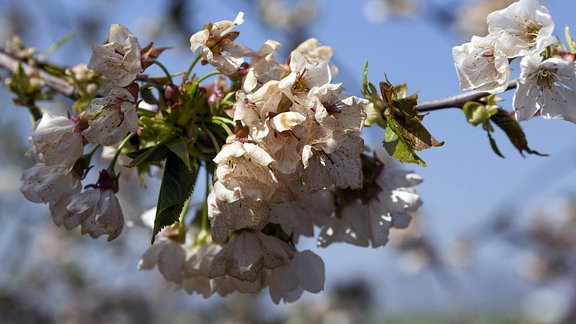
394 111
146 113
82 102
365 81
399 149
513 130
57 45
177 186
179 147
153 154
569 40
406 122
489 129
147 95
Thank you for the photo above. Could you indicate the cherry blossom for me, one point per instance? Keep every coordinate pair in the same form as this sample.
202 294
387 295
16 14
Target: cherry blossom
304 272
546 87
392 205
43 183
96 210
523 28
57 140
196 269
248 254
168 254
349 226
480 66
263 67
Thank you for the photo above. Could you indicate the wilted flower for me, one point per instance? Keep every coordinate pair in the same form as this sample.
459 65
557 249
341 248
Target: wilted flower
119 59
111 118
229 212
245 166
217 46
96 209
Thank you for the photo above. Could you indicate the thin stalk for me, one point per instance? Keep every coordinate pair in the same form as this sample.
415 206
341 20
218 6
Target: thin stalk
207 75
212 139
191 67
164 69
118 151
185 209
224 123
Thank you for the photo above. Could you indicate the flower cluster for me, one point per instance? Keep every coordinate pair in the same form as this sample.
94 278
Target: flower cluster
59 144
281 141
547 82
295 148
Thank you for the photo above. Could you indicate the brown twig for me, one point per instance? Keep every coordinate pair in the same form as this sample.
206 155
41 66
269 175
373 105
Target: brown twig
457 101
58 84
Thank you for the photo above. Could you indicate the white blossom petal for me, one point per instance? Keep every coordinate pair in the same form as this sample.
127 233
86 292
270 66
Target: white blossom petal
546 87
523 28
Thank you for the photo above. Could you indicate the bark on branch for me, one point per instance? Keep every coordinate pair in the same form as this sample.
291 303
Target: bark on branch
457 101
11 64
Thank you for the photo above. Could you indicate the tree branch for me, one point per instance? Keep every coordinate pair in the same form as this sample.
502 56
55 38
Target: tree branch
457 101
11 64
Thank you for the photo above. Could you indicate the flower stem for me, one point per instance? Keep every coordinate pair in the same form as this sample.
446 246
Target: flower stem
196 59
212 139
164 69
118 151
184 209
207 75
224 122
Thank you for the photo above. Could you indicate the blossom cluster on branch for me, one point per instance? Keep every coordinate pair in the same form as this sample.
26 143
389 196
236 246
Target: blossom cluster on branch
280 141
547 83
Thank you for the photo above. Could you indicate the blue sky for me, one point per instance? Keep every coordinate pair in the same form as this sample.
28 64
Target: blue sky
465 183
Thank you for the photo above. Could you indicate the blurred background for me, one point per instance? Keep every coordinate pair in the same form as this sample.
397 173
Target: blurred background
494 242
